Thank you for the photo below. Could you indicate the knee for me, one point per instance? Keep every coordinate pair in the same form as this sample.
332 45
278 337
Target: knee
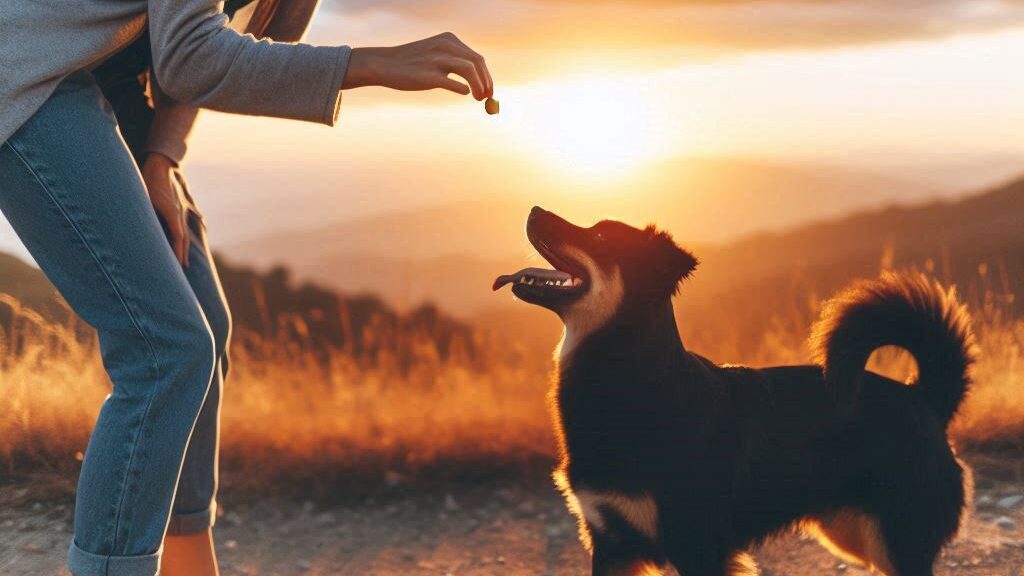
219 319
191 350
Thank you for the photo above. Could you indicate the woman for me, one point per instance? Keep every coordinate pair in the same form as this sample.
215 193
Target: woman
92 219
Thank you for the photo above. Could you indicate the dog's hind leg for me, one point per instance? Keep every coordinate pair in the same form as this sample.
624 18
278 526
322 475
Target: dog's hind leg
855 537
924 511
914 542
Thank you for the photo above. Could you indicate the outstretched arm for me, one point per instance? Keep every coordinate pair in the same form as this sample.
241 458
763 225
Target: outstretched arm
200 61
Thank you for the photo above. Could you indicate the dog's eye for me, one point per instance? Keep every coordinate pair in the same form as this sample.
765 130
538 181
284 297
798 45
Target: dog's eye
598 236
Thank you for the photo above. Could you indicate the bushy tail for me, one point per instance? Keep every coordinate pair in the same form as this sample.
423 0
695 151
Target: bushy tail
908 311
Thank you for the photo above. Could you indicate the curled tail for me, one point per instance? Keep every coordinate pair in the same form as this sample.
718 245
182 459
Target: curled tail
908 311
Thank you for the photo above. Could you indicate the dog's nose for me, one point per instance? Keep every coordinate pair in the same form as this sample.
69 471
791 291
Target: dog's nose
537 211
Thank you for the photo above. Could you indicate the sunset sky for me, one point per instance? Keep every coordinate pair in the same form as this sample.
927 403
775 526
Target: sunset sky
596 94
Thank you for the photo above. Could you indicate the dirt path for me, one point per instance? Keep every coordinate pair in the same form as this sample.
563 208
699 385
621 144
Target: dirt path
508 529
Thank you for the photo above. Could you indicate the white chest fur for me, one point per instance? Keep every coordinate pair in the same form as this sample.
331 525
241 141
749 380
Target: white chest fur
595 308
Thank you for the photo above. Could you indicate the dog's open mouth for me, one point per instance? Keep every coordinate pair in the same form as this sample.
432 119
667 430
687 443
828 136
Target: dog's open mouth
533 284
540 277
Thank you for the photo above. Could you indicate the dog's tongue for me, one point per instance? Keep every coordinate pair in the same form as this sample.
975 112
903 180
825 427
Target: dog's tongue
536 274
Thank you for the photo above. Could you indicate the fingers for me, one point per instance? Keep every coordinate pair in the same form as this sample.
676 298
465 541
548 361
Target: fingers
454 86
186 239
178 231
176 223
184 208
172 226
456 47
480 64
468 71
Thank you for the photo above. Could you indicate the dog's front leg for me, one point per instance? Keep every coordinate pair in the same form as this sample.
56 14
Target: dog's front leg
611 560
704 561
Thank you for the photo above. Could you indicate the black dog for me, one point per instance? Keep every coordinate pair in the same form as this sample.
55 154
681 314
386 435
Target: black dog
669 458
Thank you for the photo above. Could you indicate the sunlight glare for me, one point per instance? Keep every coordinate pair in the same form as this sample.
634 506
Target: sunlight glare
590 128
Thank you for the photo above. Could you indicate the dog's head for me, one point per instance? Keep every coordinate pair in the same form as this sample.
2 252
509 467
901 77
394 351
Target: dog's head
598 271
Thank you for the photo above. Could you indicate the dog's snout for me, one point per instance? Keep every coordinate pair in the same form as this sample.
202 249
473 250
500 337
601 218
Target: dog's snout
537 211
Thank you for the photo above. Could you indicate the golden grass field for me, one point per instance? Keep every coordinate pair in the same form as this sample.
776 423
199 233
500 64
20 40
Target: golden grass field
293 420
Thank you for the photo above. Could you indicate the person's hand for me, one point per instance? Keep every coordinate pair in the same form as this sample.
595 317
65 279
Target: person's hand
422 65
170 200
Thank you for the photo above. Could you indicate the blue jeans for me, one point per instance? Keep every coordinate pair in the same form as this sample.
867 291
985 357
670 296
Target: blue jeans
75 197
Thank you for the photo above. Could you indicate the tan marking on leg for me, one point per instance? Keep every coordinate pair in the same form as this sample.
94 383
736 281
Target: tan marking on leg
640 512
573 504
855 537
743 564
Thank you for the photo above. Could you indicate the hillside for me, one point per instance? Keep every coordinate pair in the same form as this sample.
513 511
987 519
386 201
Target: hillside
749 294
271 307
742 291
414 255
976 243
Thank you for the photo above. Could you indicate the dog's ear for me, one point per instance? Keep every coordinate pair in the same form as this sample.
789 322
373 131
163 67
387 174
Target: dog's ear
672 263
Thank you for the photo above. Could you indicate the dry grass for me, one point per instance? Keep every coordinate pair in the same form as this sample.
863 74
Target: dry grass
297 423
321 424
293 422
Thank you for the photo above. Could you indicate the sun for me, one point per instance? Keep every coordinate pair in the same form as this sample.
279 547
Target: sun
589 128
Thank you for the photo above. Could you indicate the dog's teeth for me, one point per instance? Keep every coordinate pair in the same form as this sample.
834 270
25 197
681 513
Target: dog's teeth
529 281
522 279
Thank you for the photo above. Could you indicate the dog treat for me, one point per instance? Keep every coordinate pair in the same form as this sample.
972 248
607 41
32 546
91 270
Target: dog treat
492 106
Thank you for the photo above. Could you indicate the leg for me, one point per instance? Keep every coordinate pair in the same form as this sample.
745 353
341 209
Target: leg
855 537
73 194
189 555
924 509
620 550
611 561
705 565
702 558
912 544
697 549
189 544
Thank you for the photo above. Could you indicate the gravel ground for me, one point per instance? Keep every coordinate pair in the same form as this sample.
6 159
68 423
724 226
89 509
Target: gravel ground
508 528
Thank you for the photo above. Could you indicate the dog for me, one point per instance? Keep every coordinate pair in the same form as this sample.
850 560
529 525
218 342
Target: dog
670 459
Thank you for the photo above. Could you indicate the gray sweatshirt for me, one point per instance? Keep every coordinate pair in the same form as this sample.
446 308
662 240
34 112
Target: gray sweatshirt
197 60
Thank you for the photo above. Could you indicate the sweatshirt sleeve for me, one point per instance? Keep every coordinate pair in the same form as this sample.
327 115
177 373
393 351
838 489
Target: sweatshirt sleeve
198 60
170 131
291 20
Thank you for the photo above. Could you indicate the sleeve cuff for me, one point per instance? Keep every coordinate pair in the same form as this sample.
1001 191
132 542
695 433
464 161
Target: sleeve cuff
332 107
170 131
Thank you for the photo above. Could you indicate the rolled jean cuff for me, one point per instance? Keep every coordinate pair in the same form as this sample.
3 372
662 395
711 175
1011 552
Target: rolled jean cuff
192 522
82 563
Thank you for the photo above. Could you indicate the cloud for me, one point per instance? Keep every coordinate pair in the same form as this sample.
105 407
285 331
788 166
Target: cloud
707 26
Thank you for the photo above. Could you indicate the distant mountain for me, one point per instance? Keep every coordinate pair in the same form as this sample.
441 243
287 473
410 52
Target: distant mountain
976 243
741 290
447 253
